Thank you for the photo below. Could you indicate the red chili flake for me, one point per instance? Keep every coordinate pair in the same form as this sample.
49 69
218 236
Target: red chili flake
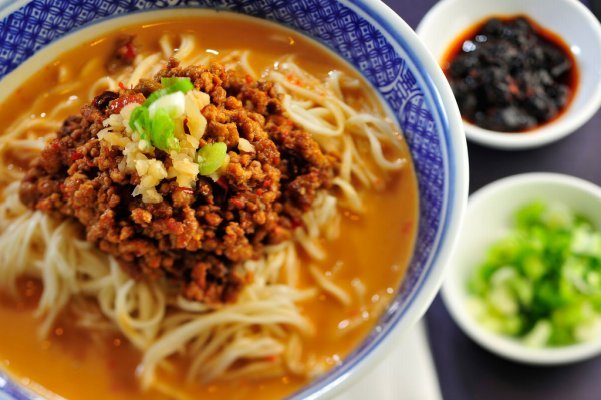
272 358
236 202
115 387
296 223
293 79
117 105
267 183
407 227
76 155
122 86
259 192
184 189
130 52
248 79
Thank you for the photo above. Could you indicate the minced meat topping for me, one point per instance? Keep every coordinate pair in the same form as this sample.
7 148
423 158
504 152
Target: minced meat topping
196 235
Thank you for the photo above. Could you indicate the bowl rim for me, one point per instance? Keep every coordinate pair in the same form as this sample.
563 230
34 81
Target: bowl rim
424 291
549 132
452 292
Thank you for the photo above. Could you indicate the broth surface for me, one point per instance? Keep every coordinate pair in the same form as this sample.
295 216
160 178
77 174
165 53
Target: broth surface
374 247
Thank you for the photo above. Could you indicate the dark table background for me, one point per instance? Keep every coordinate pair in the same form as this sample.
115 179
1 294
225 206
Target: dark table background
465 370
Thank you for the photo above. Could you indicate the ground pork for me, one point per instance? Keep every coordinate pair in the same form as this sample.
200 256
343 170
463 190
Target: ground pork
196 237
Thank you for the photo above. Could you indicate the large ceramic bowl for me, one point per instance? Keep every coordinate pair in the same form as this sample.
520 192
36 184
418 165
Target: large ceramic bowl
380 45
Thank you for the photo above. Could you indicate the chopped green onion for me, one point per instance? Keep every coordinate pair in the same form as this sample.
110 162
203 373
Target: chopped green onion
174 104
177 84
162 131
170 85
211 157
154 96
542 283
139 121
153 120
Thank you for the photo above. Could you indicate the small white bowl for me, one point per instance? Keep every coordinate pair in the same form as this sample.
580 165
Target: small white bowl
570 19
489 217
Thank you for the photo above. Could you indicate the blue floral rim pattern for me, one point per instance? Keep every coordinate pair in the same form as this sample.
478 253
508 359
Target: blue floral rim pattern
354 31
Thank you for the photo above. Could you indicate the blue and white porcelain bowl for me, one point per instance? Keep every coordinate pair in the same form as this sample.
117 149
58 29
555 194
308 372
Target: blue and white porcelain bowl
382 47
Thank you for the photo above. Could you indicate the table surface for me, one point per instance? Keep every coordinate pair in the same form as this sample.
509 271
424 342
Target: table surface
465 370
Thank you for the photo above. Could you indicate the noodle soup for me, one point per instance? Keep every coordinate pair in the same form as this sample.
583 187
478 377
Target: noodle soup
308 300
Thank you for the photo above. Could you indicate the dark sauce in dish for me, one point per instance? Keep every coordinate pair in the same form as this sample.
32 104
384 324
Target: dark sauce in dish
509 74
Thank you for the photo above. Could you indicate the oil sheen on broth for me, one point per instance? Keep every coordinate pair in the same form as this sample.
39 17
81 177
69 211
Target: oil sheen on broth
374 247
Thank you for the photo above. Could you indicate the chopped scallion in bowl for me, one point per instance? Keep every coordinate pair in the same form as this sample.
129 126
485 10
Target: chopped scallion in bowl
525 279
542 282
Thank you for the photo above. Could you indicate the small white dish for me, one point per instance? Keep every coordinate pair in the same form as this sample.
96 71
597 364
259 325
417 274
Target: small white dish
570 19
489 217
